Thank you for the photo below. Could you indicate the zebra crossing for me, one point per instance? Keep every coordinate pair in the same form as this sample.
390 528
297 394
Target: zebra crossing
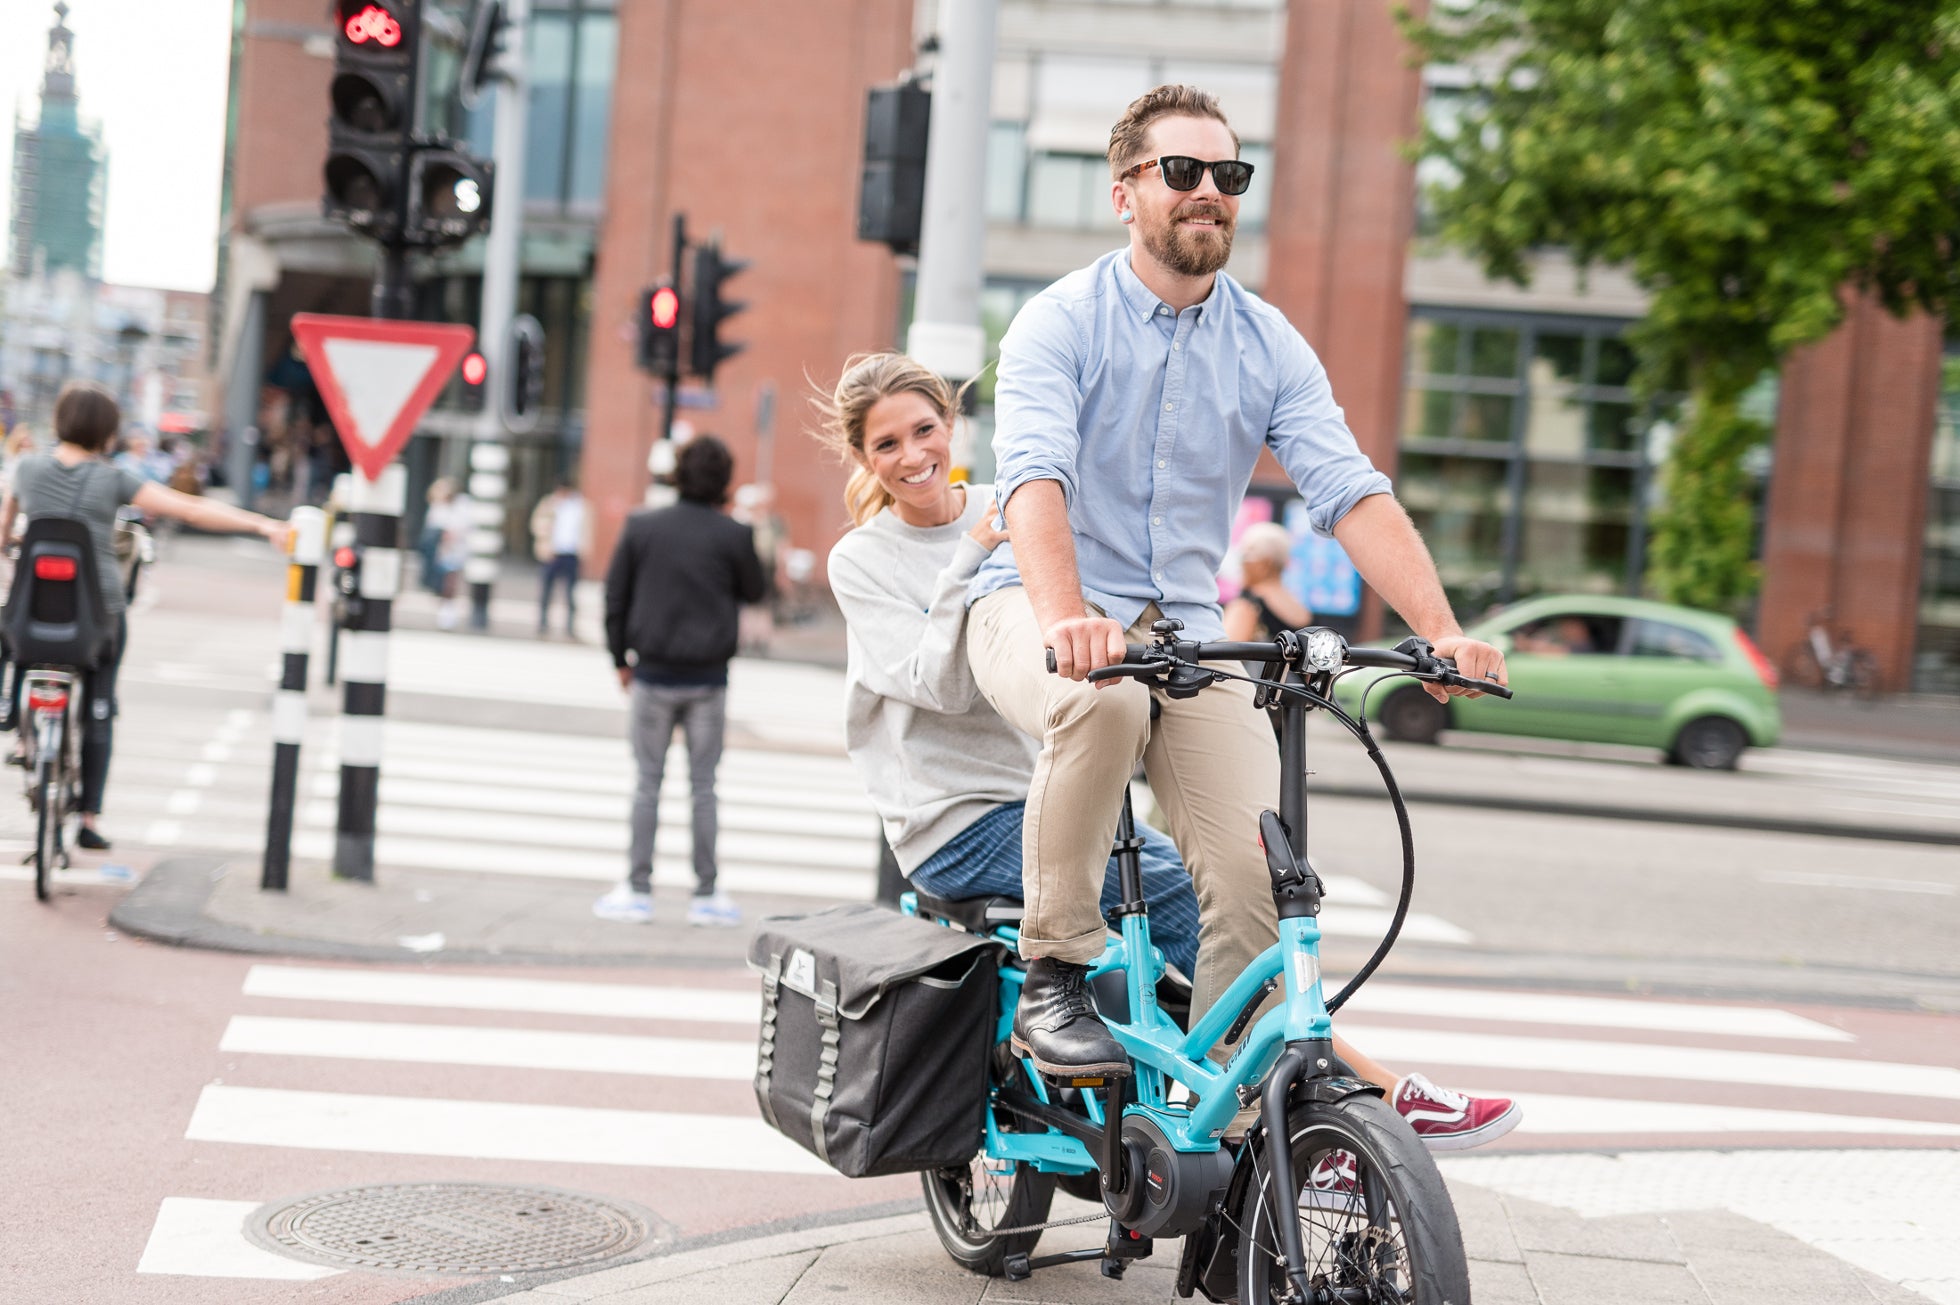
673 1062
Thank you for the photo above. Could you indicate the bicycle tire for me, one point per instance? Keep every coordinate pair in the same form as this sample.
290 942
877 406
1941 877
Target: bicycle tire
47 830
964 1204
1392 1234
1861 675
1800 668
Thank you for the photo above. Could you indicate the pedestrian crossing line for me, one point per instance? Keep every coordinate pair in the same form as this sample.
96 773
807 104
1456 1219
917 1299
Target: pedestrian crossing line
763 810
670 869
1547 1115
201 1238
500 993
493 1130
747 835
1598 1012
452 1044
1646 1060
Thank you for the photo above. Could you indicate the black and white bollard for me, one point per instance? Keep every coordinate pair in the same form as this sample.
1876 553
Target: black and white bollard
296 626
376 508
489 483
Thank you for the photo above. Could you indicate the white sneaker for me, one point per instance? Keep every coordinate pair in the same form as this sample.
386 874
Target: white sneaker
716 911
625 906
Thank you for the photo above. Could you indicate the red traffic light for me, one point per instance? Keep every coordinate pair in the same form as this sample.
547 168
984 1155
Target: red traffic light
666 308
343 557
375 24
474 369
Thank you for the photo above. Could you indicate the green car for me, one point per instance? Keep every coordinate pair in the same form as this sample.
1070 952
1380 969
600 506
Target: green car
1604 670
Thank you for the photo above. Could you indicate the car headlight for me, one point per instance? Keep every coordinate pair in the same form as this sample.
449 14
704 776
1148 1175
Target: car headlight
1325 650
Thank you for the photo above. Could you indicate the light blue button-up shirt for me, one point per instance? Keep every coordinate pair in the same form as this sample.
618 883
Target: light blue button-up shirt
1152 420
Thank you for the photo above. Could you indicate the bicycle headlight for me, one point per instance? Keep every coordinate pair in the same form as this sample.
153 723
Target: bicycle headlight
1325 650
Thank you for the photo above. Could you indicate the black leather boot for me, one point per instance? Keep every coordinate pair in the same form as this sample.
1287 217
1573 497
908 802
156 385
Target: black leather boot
1057 1028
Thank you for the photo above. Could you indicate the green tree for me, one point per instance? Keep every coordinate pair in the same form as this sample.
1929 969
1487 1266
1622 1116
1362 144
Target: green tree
1747 162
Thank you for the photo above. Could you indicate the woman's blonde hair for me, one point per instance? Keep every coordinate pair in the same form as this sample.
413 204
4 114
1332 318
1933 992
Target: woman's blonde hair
1267 542
867 379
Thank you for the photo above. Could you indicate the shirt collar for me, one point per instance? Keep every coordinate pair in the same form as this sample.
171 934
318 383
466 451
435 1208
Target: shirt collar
1143 301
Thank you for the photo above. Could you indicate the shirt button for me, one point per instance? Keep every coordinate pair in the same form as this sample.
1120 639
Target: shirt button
1156 521
1169 407
1163 310
1175 346
1160 463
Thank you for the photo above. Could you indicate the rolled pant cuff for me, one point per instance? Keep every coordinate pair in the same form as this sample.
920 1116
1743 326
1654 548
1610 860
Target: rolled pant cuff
1082 949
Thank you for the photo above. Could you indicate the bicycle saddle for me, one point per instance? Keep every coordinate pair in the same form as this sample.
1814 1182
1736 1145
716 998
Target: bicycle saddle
973 914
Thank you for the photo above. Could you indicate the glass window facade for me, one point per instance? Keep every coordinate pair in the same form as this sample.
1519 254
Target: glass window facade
1936 665
1521 454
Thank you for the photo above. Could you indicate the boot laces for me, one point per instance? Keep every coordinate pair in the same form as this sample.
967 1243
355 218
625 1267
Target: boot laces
1072 988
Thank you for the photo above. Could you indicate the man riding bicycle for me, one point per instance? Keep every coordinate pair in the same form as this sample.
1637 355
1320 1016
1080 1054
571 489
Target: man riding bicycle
1134 398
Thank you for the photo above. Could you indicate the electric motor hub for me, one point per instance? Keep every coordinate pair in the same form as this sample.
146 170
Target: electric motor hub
1178 1187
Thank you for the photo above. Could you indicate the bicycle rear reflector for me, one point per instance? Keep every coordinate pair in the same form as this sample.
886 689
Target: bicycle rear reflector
54 568
48 699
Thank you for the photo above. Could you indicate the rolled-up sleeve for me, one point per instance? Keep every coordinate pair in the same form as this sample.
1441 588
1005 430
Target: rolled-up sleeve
1310 437
1038 401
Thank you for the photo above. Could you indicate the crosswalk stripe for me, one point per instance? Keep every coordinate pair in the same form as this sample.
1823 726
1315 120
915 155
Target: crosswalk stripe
1549 1115
669 869
740 805
1598 1012
450 1044
196 1237
498 992
493 1130
1645 1060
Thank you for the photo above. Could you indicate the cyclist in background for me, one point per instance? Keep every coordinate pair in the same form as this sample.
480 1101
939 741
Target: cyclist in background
76 481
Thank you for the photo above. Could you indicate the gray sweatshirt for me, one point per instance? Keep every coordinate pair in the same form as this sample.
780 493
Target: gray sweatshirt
932 752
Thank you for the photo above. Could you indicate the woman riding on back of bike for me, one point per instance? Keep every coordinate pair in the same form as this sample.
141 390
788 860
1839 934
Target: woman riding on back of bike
947 774
77 481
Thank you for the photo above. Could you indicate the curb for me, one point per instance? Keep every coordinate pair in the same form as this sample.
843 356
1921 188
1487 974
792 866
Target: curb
168 907
1649 815
700 1254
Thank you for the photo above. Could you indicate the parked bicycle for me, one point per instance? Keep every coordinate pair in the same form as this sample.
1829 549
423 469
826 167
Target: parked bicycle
1831 662
1331 1197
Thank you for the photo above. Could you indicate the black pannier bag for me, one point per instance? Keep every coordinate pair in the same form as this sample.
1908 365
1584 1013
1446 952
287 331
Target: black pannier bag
876 1029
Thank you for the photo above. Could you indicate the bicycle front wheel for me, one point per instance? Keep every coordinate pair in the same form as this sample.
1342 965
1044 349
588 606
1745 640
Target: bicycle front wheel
1375 1220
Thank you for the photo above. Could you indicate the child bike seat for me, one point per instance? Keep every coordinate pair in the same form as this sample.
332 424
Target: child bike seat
973 914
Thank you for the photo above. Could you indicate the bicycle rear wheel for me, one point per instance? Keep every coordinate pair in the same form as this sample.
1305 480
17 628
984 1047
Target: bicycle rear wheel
967 1204
1375 1220
47 830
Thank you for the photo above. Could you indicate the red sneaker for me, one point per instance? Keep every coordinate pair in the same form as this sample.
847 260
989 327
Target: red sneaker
1330 1184
1452 1121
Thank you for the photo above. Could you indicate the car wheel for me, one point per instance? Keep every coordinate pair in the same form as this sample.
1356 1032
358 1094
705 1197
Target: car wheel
1413 716
1709 743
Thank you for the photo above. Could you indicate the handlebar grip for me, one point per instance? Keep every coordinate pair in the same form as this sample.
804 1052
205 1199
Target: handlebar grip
1122 670
1051 661
1132 652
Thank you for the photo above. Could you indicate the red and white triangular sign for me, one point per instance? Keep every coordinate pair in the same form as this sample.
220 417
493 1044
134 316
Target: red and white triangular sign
378 377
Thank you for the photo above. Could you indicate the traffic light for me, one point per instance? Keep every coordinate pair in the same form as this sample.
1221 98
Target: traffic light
892 187
449 194
660 330
375 53
705 348
473 372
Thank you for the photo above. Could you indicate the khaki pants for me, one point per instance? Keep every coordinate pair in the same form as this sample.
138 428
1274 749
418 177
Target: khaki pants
1211 763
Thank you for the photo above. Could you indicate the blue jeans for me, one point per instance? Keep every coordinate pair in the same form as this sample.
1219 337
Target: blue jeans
984 859
561 568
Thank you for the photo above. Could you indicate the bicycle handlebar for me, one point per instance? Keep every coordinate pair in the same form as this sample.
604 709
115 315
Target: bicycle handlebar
1148 661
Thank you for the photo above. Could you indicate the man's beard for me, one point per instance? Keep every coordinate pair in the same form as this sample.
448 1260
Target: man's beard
1191 251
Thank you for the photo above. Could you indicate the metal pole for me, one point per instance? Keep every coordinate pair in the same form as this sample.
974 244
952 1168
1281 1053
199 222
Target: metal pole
673 377
391 298
946 332
502 259
377 510
296 627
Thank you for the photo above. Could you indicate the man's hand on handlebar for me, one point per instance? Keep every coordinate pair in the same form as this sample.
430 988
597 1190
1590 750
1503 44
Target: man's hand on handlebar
1474 660
1080 644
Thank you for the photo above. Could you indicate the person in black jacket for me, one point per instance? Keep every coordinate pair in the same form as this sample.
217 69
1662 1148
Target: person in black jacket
673 595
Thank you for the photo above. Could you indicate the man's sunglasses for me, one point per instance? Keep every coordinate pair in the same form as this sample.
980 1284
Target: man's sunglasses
1182 172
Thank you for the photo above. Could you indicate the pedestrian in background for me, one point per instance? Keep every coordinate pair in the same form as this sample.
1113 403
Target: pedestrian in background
1265 606
674 589
558 541
445 546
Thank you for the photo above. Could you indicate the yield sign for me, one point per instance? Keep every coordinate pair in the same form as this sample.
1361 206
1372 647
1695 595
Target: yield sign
378 377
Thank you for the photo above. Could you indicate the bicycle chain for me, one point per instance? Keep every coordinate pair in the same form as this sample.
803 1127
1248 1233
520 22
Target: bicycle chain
1039 1227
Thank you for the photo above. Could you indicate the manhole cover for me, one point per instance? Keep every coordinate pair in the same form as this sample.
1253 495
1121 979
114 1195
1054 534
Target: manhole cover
459 1228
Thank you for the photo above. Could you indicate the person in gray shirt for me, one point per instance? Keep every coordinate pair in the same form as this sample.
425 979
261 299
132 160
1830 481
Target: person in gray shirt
78 482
